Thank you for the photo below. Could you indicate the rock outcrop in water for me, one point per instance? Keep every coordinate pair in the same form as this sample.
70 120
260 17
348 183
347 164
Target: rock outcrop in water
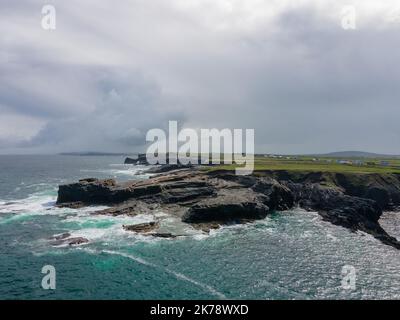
142 227
169 164
67 239
141 159
206 199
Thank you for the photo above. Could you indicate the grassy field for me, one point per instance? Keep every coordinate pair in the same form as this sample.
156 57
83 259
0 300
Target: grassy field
310 164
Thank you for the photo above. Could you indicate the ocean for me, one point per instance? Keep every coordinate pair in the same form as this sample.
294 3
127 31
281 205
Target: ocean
288 255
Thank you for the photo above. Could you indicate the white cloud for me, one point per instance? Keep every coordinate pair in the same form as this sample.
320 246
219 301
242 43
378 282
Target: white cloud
112 70
17 128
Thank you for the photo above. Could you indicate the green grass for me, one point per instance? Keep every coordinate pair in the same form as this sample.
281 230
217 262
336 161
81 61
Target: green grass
321 165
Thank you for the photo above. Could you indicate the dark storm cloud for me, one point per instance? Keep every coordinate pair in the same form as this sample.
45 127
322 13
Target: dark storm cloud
110 72
126 106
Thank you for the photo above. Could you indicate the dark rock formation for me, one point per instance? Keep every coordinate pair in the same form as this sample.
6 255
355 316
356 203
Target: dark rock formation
163 235
170 162
141 159
86 191
207 199
142 227
168 167
129 160
227 206
61 236
382 188
65 239
280 197
354 213
94 191
76 241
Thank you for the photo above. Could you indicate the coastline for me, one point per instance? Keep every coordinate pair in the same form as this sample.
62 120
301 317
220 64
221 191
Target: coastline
247 260
209 199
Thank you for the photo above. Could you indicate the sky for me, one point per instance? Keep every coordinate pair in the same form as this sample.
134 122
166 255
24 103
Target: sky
111 71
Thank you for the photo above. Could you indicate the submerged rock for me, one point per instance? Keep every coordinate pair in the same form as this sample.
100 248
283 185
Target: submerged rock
65 239
208 226
10 203
76 241
60 236
142 227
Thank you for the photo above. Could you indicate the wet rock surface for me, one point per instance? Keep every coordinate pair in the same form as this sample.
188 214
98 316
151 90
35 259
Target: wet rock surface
228 205
164 235
206 199
141 159
142 227
66 239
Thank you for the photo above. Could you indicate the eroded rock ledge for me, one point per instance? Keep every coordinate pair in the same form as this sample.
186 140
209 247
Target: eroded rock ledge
205 199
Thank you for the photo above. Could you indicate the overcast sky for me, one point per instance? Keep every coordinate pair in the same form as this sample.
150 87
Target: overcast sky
114 69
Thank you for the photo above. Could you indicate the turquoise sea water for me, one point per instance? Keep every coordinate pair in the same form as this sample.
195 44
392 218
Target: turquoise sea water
288 255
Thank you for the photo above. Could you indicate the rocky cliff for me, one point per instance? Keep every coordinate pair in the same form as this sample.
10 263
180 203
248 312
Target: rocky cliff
207 199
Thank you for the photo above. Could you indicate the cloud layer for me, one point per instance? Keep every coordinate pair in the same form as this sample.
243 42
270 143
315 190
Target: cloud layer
110 72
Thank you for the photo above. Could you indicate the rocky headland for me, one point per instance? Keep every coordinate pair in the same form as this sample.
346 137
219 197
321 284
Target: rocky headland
207 199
